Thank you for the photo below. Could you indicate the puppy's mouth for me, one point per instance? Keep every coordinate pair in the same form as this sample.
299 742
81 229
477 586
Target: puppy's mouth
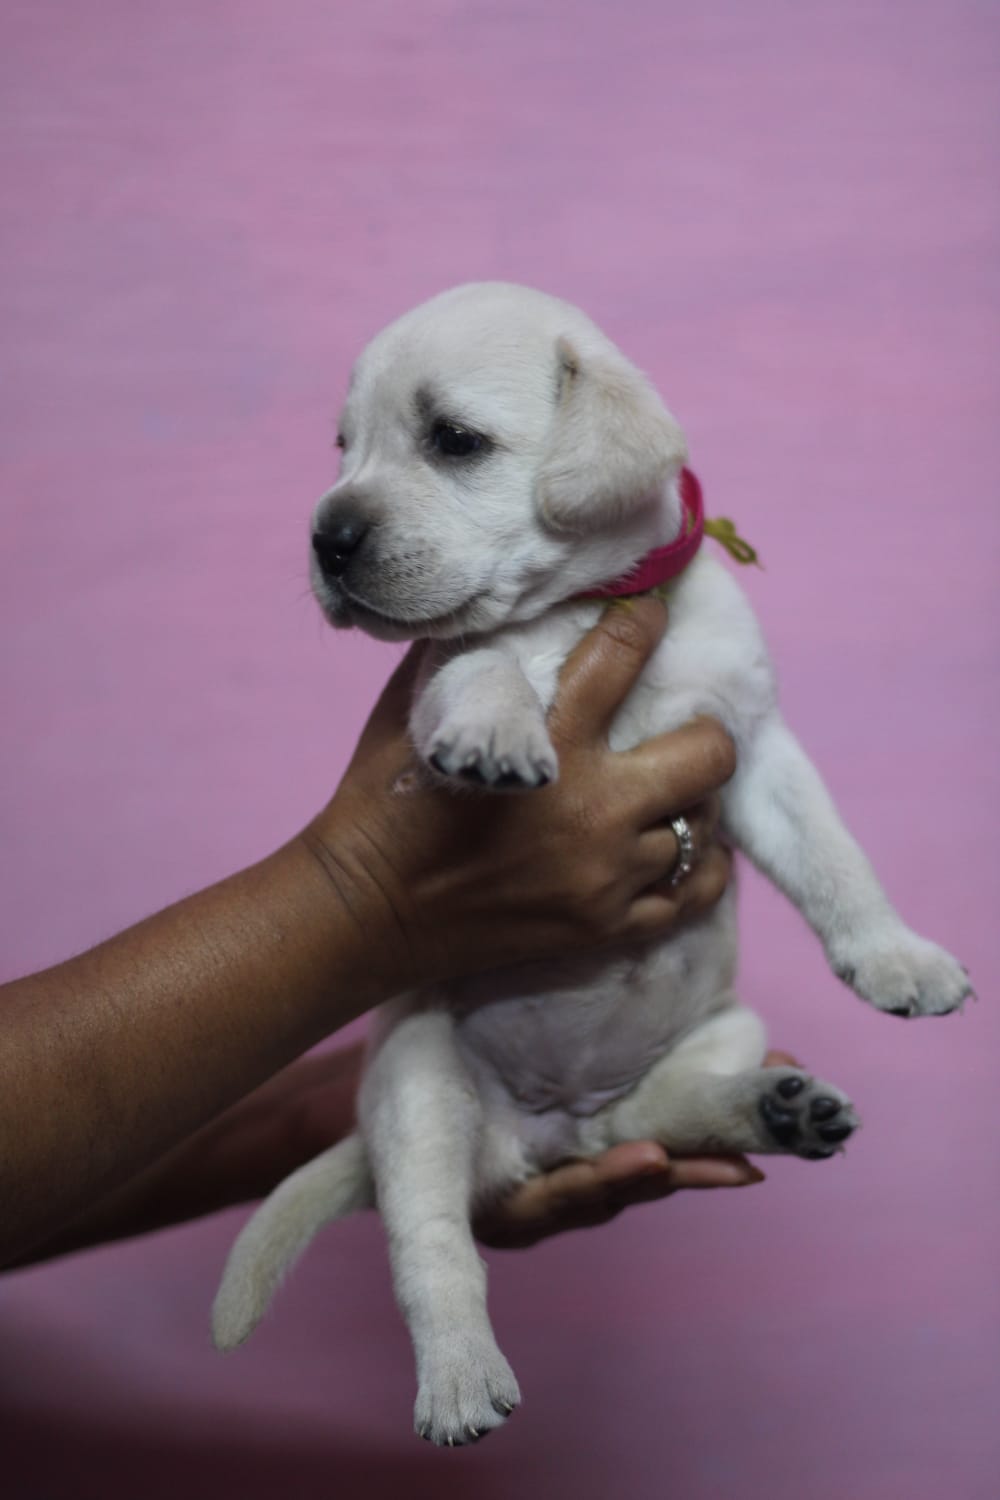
348 609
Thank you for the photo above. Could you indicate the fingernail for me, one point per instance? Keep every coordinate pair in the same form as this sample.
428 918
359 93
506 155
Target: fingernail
655 1169
657 1163
744 1176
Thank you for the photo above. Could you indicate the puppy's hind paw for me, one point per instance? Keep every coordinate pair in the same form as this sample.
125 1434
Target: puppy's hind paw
803 1116
465 1392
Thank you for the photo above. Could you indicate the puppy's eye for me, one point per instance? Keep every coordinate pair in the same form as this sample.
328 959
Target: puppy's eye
455 442
340 443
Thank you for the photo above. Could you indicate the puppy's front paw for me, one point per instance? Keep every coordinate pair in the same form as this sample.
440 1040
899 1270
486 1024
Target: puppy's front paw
466 1389
904 975
516 754
803 1116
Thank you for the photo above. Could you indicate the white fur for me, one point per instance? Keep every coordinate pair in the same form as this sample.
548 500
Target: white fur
477 1085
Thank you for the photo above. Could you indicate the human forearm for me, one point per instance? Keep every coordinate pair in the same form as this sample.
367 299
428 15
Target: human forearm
236 1158
251 1148
111 1059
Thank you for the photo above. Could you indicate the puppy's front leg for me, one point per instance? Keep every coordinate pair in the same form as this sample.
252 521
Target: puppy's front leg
780 813
478 718
422 1122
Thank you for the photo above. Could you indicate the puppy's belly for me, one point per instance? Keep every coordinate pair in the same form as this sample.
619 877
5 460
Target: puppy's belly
566 1040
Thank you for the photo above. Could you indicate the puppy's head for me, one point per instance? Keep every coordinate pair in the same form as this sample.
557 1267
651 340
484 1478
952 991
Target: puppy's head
499 455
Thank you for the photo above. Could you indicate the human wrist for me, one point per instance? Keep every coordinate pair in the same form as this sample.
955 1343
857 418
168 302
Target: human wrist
367 921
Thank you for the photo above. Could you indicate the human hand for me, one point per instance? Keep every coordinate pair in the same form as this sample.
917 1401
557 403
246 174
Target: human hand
583 1194
449 884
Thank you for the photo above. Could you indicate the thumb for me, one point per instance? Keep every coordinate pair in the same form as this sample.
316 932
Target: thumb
600 673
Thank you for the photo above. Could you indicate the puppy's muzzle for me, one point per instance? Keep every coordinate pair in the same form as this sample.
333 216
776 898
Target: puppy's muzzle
337 542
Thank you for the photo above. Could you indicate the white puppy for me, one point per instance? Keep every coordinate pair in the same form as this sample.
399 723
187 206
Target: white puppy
501 457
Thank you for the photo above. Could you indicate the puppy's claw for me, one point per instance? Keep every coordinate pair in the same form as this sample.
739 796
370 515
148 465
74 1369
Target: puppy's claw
509 755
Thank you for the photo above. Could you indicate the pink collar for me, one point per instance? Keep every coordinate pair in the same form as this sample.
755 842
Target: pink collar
663 563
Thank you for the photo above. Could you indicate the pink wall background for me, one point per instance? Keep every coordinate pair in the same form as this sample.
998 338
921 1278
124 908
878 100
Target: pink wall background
787 213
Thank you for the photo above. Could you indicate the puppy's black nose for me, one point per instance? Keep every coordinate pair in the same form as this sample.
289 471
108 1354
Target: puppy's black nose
337 543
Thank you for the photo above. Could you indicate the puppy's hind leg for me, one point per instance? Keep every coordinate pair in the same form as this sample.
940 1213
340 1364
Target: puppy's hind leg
423 1122
711 1095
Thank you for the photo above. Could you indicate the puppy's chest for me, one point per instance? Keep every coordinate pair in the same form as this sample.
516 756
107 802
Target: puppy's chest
572 1038
711 660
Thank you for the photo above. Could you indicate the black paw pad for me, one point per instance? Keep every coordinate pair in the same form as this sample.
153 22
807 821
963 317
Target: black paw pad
780 1122
801 1117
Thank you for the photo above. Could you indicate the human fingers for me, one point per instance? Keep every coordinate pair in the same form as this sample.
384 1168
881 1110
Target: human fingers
681 1173
571 1196
699 891
657 909
714 1171
660 847
776 1059
583 1194
602 669
680 769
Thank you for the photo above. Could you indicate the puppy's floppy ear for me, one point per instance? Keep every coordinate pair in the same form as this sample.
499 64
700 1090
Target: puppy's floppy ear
613 444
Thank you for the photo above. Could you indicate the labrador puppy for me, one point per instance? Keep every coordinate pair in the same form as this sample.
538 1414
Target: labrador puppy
501 459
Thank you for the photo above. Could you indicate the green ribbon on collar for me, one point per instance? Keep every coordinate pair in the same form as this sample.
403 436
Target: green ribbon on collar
724 532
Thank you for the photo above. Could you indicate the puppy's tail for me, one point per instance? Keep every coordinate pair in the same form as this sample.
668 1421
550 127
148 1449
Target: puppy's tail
333 1185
